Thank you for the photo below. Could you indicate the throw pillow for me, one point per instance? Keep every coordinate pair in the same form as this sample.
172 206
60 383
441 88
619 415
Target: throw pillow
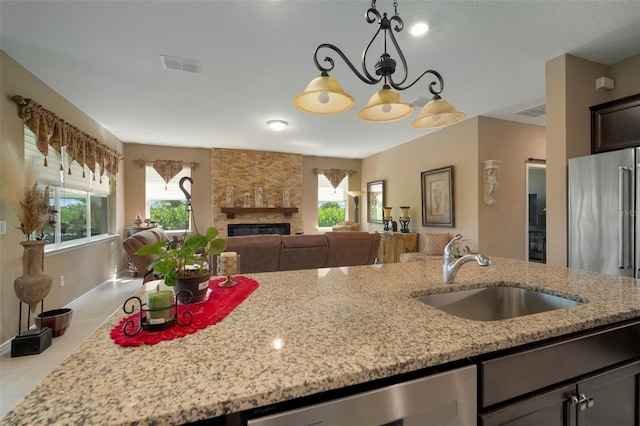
434 244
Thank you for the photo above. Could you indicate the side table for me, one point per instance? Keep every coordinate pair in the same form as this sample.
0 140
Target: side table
393 244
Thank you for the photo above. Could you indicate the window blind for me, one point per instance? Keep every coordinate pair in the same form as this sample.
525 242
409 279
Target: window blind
53 176
157 189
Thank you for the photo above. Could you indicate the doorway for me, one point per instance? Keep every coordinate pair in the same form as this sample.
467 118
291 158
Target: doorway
536 209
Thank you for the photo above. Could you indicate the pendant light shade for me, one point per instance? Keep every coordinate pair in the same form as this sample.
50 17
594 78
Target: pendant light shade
324 95
385 105
437 113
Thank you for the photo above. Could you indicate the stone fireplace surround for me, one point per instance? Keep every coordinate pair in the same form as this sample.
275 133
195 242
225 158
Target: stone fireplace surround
245 170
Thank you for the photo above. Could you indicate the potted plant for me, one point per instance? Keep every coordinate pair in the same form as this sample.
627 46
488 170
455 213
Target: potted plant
184 266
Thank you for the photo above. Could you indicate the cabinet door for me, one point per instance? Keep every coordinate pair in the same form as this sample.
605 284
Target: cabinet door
551 408
387 249
612 398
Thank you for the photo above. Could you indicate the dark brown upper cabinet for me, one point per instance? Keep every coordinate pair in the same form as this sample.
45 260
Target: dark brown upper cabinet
615 124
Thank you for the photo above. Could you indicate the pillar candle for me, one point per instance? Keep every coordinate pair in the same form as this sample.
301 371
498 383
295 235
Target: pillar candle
228 263
159 304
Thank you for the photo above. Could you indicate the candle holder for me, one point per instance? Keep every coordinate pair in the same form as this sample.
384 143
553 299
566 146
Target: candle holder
144 323
386 218
404 219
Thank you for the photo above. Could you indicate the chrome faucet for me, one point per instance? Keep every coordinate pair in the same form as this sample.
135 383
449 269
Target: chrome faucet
451 265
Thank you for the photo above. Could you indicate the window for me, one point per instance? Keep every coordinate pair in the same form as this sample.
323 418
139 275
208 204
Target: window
332 203
166 204
79 197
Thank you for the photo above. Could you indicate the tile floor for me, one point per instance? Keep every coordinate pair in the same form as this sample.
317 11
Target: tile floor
18 376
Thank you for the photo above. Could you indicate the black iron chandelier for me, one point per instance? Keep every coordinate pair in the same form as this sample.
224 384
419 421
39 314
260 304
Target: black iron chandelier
325 96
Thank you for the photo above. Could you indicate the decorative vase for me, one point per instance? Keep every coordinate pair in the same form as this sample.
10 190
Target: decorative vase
197 285
34 285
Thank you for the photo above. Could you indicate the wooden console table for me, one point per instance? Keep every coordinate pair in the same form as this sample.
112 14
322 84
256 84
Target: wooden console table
393 244
232 211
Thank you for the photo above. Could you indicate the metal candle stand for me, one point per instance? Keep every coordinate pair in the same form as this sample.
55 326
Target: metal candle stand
184 319
404 224
387 222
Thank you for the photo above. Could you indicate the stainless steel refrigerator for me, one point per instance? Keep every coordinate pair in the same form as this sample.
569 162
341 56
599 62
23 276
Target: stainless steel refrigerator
604 222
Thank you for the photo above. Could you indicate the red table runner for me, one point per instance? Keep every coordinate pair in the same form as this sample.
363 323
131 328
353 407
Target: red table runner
221 301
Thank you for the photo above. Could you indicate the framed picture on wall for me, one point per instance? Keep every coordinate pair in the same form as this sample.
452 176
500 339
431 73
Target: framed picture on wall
437 197
375 201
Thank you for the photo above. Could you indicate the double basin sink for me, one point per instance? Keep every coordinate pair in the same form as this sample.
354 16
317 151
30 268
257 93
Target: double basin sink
496 303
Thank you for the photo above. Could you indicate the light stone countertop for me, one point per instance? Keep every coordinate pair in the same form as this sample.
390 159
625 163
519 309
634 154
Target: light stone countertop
303 332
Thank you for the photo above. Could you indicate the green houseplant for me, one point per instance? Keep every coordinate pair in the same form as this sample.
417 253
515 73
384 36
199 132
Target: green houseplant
185 266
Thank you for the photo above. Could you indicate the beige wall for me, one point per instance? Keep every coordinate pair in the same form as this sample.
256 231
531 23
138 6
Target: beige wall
570 91
465 146
134 194
401 166
503 225
80 275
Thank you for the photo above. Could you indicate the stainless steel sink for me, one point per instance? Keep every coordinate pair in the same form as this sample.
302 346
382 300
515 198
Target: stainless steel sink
496 303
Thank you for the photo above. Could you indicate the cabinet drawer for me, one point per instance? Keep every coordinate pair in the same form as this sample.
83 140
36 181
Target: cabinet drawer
516 374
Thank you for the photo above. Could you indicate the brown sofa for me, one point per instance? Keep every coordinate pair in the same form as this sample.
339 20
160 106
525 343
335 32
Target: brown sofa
269 252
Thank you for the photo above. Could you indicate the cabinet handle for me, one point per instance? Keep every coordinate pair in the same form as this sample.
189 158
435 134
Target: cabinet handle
582 402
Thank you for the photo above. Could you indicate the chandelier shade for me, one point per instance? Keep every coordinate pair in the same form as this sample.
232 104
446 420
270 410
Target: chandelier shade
437 113
324 96
385 105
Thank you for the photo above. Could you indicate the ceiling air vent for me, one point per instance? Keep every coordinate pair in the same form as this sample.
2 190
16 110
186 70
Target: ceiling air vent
534 112
180 64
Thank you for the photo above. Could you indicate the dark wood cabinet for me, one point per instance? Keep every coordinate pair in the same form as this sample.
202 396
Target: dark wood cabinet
608 398
592 378
615 124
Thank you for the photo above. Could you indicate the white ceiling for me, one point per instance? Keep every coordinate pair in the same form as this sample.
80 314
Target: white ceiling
255 56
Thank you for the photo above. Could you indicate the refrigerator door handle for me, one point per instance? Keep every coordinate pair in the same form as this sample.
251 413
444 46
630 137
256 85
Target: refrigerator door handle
624 217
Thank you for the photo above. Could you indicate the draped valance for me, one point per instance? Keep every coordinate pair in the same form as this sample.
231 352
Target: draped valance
334 176
167 169
52 131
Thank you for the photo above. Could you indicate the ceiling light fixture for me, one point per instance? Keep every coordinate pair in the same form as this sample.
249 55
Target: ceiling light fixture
324 95
277 125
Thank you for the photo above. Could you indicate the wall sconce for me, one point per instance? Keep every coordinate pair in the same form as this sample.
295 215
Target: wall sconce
356 201
491 185
404 219
386 218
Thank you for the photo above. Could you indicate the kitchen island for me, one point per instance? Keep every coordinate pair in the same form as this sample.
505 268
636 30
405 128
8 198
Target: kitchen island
309 331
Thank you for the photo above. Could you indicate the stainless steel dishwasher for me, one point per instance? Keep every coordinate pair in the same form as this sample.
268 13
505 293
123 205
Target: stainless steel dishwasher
443 399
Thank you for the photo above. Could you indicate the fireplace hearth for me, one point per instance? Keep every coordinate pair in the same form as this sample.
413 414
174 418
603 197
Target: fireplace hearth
236 229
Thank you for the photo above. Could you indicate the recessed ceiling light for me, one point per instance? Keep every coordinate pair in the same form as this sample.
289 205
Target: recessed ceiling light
277 125
419 29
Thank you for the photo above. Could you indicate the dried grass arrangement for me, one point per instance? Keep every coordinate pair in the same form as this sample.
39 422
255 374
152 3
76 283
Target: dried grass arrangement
28 201
34 210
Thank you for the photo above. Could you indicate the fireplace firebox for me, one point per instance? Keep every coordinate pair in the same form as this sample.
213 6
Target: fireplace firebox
236 229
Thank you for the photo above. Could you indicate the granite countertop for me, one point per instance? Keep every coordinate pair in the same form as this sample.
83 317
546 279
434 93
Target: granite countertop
303 332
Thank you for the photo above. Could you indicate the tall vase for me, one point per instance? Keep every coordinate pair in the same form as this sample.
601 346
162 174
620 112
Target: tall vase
34 285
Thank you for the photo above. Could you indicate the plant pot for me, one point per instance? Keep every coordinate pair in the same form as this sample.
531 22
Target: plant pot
57 320
198 286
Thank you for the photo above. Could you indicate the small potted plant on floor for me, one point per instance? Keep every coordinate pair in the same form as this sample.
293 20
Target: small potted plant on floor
184 266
